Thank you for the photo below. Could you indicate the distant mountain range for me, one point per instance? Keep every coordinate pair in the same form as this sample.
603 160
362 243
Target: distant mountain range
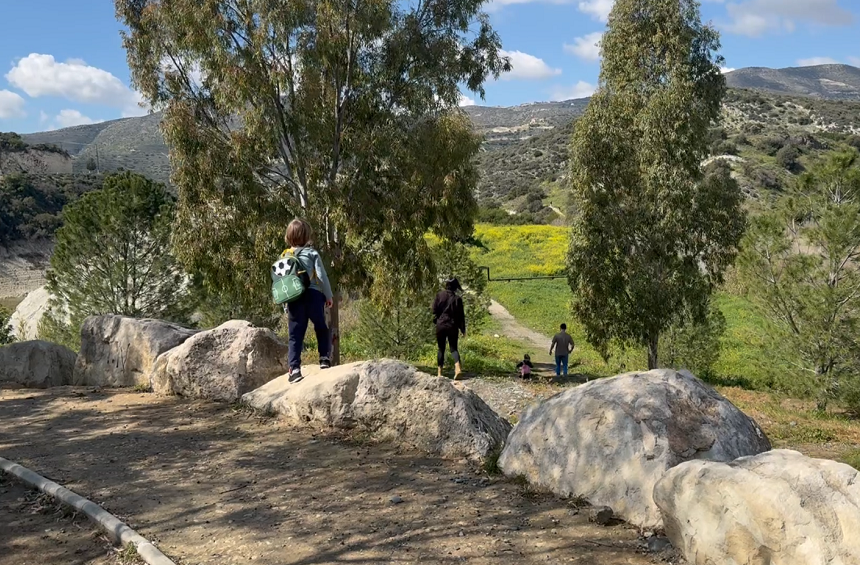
136 143
832 82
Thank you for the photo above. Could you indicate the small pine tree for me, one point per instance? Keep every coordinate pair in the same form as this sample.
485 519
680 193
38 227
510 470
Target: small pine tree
801 265
112 256
91 164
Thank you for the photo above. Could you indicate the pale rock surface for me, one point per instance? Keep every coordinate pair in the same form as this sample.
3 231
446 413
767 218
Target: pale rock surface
27 315
777 508
221 364
36 364
392 401
118 351
609 441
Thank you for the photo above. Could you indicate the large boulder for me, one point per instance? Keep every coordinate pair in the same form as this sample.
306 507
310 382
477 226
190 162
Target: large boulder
117 351
610 441
36 364
221 364
777 508
391 401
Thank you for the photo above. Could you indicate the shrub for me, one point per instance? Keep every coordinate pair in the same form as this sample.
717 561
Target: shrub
787 158
5 327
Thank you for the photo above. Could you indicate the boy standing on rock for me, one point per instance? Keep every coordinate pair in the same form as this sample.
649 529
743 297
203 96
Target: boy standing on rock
563 345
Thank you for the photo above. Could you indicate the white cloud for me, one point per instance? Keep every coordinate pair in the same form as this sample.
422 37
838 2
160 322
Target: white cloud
466 101
581 89
527 67
598 9
754 18
11 105
813 61
725 70
586 47
69 118
43 117
854 61
41 75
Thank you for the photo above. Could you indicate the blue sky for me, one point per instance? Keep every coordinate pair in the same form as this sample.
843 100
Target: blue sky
62 62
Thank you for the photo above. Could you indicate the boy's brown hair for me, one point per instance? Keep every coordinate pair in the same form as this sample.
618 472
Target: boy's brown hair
299 233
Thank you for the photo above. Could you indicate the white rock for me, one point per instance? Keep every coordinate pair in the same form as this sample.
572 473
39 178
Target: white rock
27 315
609 441
393 402
777 508
117 351
221 364
36 364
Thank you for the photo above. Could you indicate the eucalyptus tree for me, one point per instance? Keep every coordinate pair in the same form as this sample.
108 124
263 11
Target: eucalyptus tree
341 111
652 231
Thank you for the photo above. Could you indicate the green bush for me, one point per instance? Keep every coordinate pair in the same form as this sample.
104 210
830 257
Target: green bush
5 327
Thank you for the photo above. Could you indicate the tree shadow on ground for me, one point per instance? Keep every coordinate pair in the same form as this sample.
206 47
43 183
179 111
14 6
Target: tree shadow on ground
218 484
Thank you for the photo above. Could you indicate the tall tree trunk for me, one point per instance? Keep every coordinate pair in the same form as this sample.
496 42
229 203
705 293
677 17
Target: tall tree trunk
335 329
652 350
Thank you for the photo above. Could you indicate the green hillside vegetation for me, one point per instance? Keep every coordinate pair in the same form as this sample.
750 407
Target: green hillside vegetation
773 138
31 205
524 251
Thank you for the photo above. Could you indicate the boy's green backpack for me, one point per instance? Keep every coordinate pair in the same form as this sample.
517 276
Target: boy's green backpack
290 280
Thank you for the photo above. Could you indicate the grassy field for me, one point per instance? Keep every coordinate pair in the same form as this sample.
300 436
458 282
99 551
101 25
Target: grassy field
511 251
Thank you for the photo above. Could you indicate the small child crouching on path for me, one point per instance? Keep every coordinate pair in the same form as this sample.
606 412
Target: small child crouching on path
525 366
311 306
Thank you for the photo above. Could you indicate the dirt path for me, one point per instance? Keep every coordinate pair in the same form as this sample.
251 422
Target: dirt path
35 531
211 484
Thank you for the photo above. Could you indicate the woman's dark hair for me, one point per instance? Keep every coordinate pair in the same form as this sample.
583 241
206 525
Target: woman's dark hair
526 357
453 285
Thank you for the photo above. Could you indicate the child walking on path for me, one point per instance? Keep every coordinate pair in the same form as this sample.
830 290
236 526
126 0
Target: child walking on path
563 345
312 304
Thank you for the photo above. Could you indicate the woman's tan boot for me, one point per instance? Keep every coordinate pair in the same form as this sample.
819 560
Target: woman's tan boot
440 371
457 371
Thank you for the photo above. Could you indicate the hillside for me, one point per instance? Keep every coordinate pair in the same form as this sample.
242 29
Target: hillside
524 157
835 82
131 143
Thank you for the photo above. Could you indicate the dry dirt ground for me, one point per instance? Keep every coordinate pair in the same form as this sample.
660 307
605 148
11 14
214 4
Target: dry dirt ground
216 484
34 530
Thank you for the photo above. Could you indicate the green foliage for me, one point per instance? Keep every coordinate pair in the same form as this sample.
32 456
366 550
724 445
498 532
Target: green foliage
31 206
396 321
345 113
652 234
800 265
111 257
787 158
5 327
91 164
694 345
400 329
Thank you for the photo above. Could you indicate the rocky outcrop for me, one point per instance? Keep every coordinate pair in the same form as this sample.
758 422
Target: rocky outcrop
36 364
27 315
391 401
610 441
117 351
221 364
777 508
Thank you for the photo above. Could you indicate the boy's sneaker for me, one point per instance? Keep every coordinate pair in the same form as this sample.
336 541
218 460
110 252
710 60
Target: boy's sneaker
295 375
325 363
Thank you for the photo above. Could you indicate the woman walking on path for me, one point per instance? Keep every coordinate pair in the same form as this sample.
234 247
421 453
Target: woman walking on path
450 319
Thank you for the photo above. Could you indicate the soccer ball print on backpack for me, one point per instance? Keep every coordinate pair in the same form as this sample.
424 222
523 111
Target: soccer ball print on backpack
290 280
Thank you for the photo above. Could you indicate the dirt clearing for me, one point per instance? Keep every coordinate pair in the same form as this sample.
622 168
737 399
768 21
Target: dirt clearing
211 484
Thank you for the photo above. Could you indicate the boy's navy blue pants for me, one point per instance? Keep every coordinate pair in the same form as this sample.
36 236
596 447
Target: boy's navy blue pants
310 307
